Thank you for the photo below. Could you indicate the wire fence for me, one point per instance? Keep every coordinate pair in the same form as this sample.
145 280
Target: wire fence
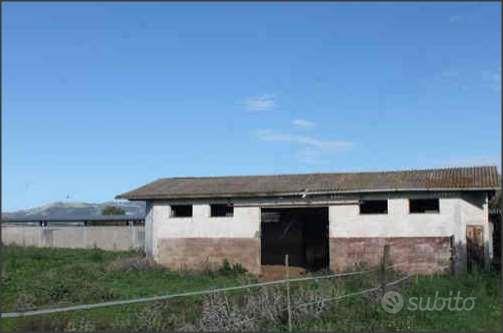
170 296
380 288
337 298
286 281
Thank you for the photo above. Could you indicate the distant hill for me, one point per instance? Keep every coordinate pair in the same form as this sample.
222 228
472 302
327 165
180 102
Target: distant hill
62 210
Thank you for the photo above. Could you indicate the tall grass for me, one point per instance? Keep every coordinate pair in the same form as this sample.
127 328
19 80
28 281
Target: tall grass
34 277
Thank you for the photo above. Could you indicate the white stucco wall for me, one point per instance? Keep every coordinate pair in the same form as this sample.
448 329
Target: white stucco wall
244 224
346 221
456 212
118 238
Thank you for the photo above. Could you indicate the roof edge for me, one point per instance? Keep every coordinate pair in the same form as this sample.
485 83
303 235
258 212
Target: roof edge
445 168
279 194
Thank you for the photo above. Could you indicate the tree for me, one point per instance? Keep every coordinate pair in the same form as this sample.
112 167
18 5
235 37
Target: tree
113 210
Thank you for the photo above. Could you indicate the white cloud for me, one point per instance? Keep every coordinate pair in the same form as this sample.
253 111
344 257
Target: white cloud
450 74
302 123
455 18
303 140
456 79
492 78
310 156
310 150
261 103
465 80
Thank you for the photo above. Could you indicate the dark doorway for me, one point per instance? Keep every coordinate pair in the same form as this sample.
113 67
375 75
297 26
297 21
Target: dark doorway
474 247
302 233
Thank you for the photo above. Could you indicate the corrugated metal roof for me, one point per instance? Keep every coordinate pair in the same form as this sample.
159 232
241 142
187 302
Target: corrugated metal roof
463 178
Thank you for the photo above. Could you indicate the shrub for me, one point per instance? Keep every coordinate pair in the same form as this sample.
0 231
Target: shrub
155 317
96 254
264 308
25 302
113 210
4 277
81 324
220 315
231 269
129 264
94 292
39 324
76 283
60 290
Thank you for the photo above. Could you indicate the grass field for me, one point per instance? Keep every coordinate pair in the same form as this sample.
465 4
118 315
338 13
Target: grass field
42 278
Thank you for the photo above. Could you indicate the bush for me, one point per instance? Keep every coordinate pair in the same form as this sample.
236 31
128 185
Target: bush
113 210
81 324
59 277
129 264
231 269
263 308
92 292
152 317
25 302
75 283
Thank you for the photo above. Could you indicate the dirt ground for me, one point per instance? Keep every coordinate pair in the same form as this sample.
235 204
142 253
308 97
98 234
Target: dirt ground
277 272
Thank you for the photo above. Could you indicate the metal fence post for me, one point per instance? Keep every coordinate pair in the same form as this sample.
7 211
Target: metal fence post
289 306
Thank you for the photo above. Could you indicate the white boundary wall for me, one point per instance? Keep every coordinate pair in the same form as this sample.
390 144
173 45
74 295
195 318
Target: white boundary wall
117 238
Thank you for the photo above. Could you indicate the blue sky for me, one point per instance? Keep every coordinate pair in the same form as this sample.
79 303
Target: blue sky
101 98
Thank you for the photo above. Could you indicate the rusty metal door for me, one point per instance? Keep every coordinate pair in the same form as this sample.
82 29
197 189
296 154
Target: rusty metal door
474 247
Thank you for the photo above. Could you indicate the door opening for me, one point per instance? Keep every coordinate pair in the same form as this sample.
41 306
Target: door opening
474 247
302 233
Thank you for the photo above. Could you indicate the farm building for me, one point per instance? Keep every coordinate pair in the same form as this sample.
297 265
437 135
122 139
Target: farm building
429 219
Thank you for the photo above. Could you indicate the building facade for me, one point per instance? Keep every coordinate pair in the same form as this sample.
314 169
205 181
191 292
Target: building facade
429 220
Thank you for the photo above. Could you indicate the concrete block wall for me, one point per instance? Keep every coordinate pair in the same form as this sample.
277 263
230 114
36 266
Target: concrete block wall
114 238
192 242
346 221
423 255
456 212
